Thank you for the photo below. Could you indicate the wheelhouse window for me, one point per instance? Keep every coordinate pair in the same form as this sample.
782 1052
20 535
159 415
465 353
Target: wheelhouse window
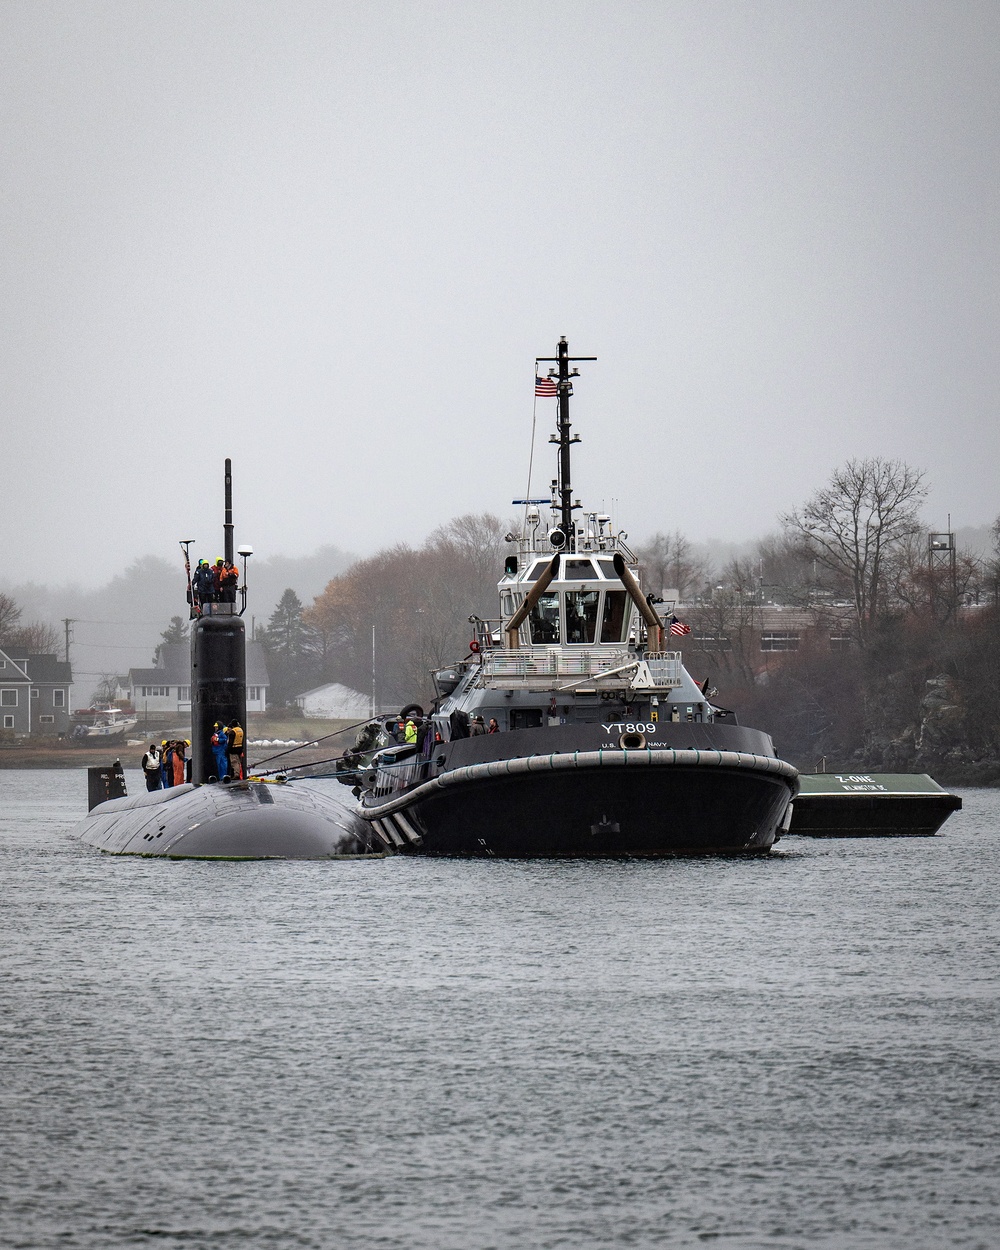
615 617
578 571
544 619
581 614
607 567
535 572
509 603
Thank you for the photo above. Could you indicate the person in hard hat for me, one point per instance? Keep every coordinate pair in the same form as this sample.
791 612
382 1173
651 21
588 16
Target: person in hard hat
167 756
234 750
163 763
410 731
228 575
220 750
203 582
179 762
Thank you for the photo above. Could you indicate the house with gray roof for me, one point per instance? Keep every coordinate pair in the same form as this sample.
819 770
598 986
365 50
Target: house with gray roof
167 686
35 694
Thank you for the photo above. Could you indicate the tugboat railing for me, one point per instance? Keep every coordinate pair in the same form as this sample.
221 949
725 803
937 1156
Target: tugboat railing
553 662
522 667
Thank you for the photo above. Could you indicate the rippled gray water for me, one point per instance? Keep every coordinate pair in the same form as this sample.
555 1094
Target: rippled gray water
797 1051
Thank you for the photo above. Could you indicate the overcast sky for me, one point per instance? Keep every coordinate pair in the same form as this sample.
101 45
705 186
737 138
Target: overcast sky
328 239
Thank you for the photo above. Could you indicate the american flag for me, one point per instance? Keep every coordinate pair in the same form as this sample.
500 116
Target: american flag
545 386
678 627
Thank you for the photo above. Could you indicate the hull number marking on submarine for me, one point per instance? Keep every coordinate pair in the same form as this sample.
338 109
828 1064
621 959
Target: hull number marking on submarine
628 727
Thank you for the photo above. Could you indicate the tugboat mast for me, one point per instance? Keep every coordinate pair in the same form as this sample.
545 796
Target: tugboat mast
564 484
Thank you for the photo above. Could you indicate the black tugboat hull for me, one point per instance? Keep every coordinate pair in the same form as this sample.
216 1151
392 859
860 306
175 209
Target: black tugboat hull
628 805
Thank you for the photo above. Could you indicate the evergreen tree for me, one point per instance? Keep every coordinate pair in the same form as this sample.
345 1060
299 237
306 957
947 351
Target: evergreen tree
287 641
176 631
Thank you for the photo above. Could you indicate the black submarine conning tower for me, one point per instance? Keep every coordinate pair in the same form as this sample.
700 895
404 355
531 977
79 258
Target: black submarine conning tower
563 486
218 664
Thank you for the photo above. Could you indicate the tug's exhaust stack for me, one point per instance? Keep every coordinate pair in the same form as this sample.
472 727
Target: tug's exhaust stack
218 665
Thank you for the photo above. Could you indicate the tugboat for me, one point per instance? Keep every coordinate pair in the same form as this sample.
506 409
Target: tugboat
215 816
600 743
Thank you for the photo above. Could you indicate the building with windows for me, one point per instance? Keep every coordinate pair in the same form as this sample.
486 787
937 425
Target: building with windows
167 686
35 694
760 631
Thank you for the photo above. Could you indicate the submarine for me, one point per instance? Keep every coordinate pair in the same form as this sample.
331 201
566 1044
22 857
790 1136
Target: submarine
206 818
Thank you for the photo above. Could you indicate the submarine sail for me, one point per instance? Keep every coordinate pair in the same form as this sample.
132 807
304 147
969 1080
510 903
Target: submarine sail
218 662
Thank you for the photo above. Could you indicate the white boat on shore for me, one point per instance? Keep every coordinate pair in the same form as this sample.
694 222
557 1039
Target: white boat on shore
104 723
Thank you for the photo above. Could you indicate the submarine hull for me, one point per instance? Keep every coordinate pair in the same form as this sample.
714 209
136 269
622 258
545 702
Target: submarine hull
252 820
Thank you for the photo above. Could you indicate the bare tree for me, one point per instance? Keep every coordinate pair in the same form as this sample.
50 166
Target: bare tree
10 614
726 624
939 590
106 690
669 563
35 638
853 526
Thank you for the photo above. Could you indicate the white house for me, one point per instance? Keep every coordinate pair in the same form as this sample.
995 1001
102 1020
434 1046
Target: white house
167 687
334 702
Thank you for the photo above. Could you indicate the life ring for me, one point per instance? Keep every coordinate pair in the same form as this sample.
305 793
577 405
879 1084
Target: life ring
473 646
411 709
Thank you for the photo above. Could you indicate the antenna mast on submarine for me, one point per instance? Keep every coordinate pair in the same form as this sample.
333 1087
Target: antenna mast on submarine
228 526
564 483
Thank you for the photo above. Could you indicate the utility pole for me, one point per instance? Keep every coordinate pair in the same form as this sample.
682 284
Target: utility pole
67 622
565 485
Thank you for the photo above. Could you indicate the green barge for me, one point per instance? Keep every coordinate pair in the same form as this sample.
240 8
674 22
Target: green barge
870 805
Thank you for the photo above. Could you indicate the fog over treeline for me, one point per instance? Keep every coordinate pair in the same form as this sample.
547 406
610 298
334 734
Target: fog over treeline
421 594
118 625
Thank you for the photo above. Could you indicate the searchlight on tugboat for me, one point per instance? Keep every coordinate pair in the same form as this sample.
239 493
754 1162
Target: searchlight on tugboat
600 743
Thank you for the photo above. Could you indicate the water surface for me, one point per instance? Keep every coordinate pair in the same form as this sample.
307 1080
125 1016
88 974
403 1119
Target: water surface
797 1051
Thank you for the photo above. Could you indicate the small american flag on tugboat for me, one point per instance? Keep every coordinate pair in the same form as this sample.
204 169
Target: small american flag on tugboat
678 627
545 386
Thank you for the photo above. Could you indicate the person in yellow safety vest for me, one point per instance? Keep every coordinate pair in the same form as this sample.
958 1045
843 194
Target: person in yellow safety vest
235 751
410 733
